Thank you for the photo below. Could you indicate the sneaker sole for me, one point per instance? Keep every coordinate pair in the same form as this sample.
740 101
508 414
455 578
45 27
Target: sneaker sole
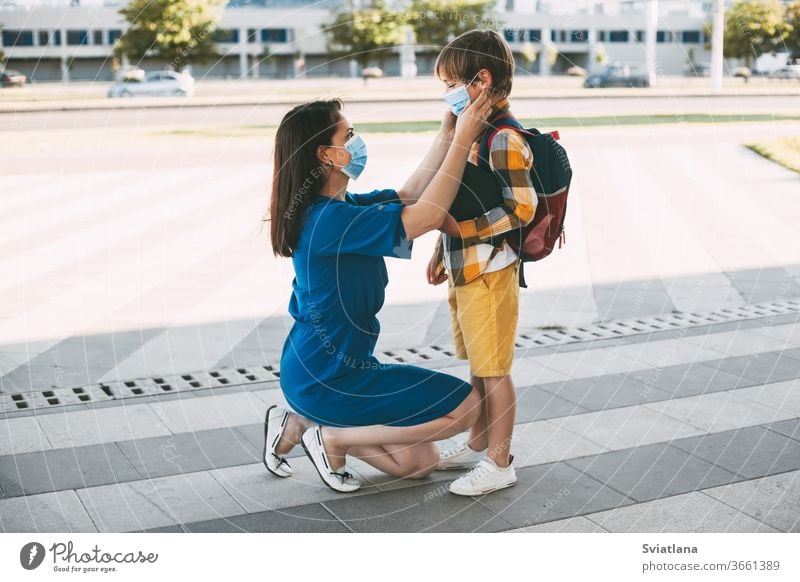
264 453
484 492
311 458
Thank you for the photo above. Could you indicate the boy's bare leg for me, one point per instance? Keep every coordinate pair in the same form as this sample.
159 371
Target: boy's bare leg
478 435
500 400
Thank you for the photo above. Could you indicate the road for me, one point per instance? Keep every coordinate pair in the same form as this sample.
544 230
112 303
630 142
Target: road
390 110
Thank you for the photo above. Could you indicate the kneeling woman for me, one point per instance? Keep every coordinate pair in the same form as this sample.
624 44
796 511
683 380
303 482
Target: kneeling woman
344 401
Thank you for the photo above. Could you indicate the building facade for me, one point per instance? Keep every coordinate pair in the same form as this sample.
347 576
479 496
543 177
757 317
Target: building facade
51 40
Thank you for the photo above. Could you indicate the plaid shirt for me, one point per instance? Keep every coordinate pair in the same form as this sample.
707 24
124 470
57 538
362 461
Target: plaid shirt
511 161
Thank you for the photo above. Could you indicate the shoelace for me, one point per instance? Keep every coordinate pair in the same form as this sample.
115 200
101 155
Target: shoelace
343 475
281 460
477 473
450 453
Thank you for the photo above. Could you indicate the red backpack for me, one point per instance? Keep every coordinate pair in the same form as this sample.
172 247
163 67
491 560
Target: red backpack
551 175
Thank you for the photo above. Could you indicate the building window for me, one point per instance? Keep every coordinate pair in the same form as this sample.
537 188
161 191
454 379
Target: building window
508 33
562 35
639 36
44 37
77 37
17 38
601 36
252 35
553 35
535 35
617 36
664 36
690 36
226 35
56 38
274 35
579 36
113 35
97 37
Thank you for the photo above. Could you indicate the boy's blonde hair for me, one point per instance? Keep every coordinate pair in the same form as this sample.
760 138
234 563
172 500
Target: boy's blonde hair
474 50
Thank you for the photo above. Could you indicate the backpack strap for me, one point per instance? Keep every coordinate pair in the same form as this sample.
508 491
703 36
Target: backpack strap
506 120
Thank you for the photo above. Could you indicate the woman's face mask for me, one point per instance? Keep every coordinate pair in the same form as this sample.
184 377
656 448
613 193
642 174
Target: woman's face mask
458 98
357 149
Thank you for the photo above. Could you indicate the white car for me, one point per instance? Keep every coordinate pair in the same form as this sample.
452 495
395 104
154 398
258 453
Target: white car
155 84
790 72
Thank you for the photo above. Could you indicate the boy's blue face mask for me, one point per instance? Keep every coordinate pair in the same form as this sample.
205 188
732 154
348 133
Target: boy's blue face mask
458 98
357 149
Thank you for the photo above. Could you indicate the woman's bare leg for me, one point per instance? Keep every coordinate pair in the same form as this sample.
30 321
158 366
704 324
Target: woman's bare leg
338 441
295 427
403 461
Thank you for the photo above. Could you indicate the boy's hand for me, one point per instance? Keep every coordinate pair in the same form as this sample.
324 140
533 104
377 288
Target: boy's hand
450 226
433 278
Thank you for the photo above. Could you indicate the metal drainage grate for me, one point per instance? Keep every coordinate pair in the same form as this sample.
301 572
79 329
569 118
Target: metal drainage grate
242 376
139 387
656 323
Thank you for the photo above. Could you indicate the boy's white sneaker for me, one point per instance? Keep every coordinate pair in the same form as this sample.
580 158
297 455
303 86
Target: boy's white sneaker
460 456
485 478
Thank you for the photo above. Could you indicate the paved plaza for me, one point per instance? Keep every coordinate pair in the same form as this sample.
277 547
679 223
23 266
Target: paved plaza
658 355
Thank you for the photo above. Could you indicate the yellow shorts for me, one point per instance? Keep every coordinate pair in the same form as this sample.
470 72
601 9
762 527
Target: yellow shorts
484 315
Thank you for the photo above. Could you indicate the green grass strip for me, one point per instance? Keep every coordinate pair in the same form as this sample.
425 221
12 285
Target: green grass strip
784 151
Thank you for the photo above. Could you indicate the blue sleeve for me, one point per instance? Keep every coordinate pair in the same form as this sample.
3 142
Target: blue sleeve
386 196
375 230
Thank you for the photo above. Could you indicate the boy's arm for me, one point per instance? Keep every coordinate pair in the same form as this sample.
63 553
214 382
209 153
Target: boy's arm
511 161
422 176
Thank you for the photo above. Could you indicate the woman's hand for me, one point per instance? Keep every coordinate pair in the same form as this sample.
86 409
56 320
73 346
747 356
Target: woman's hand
472 120
448 126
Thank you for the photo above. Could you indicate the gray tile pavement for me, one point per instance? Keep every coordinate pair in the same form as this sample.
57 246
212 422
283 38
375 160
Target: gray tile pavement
622 438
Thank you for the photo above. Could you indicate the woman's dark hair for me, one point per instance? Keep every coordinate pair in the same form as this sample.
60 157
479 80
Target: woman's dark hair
297 173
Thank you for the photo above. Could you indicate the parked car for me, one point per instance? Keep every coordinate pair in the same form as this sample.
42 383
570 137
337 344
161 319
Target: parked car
11 78
698 70
790 73
154 84
617 75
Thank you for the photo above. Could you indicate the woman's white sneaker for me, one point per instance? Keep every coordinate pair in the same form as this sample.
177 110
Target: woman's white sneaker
485 478
274 427
460 456
341 481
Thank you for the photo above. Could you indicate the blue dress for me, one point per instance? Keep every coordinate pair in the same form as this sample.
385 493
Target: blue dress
328 371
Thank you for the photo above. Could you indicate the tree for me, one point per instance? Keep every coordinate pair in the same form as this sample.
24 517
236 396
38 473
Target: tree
753 28
367 33
177 31
437 22
2 54
793 39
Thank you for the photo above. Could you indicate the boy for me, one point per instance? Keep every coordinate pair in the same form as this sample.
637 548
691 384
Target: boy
481 267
